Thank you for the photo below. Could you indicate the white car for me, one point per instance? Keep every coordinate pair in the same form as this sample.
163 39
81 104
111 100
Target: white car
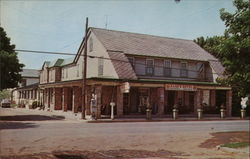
5 103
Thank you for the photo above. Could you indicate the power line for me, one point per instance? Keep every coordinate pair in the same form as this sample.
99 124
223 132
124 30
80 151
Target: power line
105 58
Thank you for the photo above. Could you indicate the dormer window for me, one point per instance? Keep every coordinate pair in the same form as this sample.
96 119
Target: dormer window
150 67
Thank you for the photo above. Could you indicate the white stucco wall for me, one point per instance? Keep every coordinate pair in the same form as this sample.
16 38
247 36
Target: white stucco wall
70 72
92 65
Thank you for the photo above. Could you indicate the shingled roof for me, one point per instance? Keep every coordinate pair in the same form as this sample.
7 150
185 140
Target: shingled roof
30 73
149 45
123 69
217 67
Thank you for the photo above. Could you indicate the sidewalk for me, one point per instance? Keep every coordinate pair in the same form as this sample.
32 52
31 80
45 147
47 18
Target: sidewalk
164 119
77 116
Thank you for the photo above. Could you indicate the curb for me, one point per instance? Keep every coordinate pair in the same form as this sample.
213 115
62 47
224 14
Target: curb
154 120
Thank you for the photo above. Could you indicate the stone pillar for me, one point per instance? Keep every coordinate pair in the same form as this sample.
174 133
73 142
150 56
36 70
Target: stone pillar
212 98
58 98
65 98
229 103
98 91
76 98
160 101
119 103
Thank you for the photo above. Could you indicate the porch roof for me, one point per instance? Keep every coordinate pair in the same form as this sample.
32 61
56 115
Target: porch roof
157 81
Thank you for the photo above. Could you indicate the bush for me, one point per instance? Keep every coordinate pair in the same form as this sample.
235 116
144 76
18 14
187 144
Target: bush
35 104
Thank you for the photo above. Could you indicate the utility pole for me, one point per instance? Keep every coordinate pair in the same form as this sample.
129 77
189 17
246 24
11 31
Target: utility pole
84 71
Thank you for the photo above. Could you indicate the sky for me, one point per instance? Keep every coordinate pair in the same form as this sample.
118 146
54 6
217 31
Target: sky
59 25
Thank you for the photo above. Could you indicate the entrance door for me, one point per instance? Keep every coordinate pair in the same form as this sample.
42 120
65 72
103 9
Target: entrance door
191 102
133 107
170 101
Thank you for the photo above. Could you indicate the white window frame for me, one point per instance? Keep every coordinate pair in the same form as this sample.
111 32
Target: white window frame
147 66
181 69
166 67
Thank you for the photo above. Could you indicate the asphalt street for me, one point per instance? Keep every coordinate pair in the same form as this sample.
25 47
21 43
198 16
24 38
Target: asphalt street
23 132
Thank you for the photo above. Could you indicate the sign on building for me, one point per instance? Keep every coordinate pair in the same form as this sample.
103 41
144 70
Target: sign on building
180 87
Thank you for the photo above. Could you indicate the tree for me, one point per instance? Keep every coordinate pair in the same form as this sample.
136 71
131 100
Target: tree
210 44
9 63
233 50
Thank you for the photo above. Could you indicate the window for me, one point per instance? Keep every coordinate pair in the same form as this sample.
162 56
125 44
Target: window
77 70
50 75
131 61
100 66
149 67
90 45
62 73
167 68
184 71
66 72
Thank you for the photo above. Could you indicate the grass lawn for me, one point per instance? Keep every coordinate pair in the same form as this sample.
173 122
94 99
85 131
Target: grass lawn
236 145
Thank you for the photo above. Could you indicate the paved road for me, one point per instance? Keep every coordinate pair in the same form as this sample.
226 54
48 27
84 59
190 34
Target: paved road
33 133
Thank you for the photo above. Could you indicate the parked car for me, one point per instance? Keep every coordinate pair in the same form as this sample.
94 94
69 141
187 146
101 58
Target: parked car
5 103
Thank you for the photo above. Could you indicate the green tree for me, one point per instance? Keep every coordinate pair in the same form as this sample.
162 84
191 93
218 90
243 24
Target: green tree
9 63
233 50
210 44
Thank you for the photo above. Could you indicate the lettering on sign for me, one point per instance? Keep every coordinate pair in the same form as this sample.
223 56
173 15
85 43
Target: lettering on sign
180 87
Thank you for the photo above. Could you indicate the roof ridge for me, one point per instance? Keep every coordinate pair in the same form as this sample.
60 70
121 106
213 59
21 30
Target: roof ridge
158 36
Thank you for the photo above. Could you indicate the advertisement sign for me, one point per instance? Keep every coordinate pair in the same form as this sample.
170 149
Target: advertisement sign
180 87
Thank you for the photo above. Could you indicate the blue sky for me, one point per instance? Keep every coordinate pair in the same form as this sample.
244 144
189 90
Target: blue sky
58 25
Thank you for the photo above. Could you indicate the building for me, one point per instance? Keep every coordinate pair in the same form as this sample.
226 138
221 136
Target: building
29 77
136 72
27 91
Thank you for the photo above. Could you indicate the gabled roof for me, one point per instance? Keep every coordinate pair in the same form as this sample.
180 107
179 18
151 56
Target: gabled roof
149 45
67 61
30 73
58 62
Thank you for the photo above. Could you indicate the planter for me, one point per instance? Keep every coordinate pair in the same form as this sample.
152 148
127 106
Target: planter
222 113
200 113
175 114
243 113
